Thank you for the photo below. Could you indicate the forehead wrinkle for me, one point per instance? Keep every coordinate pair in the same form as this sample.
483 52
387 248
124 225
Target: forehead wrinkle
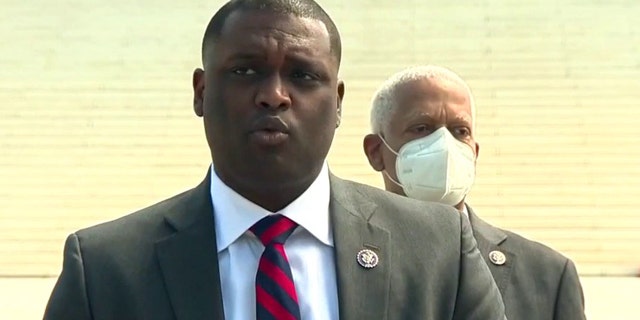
303 45
282 34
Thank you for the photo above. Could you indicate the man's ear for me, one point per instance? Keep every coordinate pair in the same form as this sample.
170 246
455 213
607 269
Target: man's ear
372 145
340 97
477 152
198 92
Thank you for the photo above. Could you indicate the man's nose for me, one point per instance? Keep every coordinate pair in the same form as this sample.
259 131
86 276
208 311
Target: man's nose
273 93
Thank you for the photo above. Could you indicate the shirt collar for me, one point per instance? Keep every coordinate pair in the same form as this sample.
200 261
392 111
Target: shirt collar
234 214
464 210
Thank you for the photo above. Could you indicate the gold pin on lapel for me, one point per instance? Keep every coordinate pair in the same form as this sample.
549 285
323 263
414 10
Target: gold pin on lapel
367 258
498 258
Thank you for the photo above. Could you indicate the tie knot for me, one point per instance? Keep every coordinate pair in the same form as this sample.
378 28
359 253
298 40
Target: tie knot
273 229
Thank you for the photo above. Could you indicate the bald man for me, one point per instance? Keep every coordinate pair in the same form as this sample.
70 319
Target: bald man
423 122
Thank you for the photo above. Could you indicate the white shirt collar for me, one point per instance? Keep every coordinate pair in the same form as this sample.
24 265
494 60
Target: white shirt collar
234 214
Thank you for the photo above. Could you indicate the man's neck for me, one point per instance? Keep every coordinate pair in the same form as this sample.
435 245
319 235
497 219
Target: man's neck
270 196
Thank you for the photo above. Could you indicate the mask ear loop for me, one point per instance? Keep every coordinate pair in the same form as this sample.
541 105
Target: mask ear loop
386 144
385 171
392 180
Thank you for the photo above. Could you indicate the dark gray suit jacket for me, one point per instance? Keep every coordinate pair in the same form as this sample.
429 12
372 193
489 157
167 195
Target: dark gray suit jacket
536 282
161 263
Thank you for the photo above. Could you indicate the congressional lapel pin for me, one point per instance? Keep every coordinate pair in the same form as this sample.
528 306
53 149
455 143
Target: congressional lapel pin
367 258
498 258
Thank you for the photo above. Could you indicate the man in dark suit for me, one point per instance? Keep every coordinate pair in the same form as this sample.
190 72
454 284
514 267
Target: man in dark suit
270 233
423 142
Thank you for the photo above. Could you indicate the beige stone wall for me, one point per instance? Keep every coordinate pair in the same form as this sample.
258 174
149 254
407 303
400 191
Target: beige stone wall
96 118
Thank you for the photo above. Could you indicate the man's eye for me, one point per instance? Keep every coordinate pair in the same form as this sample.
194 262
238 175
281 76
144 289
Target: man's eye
303 75
464 132
421 128
243 71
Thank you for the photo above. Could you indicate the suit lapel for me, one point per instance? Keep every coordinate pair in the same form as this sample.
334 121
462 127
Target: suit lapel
188 258
362 293
490 238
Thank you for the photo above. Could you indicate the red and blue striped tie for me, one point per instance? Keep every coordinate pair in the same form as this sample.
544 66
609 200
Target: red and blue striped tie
276 297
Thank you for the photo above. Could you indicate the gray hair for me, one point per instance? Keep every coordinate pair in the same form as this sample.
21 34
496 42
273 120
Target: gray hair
383 103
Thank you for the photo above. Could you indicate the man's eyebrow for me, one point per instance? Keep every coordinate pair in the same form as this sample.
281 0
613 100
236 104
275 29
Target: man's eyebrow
308 60
463 117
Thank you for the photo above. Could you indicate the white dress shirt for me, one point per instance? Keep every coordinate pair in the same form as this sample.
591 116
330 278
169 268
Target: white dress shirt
309 249
465 211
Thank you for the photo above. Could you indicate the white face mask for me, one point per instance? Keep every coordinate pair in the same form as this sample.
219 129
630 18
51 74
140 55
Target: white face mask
437 168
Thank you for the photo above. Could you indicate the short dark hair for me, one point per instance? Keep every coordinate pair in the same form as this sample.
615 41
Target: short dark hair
299 8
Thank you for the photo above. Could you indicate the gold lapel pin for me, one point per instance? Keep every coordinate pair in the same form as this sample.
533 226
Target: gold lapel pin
367 258
498 258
